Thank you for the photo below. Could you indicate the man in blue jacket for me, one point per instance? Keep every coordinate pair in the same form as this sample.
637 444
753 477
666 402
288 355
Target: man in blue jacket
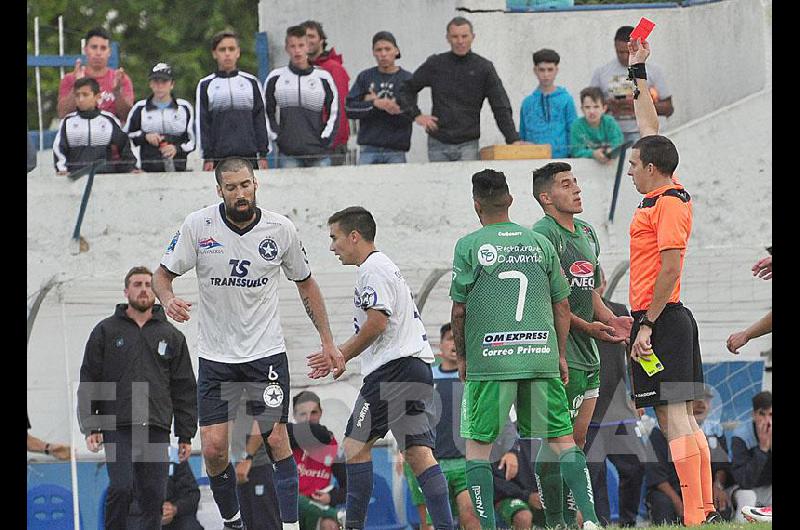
547 114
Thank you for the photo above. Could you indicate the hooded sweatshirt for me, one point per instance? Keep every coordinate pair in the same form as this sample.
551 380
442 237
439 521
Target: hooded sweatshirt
547 119
333 63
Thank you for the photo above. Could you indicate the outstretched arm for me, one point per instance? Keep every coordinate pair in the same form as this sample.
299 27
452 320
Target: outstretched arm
643 107
314 304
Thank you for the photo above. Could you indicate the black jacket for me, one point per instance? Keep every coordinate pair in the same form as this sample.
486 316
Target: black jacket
182 489
124 357
459 84
175 123
230 116
85 136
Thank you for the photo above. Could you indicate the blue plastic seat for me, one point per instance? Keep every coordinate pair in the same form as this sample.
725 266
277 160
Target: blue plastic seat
50 507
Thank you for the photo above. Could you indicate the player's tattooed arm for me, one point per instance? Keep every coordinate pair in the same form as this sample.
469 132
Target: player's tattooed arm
457 316
314 305
561 318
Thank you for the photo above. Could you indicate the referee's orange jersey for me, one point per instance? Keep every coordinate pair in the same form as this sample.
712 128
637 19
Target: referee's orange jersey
663 221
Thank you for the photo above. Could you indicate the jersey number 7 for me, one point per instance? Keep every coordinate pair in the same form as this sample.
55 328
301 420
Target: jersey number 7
523 289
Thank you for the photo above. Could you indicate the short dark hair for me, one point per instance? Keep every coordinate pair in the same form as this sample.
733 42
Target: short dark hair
230 164
659 151
546 55
91 82
355 218
304 397
444 329
224 34
139 269
490 189
97 32
623 34
762 400
317 26
593 92
459 21
295 31
543 177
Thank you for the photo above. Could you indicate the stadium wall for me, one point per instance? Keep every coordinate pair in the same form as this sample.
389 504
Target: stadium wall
421 210
712 54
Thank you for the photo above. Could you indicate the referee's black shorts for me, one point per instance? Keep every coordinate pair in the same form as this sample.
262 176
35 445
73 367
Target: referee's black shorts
676 343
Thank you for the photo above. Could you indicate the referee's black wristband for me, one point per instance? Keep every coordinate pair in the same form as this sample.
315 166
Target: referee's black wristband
47 449
637 71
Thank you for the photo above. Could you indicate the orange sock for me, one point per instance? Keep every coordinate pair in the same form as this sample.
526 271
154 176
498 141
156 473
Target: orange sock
706 478
686 457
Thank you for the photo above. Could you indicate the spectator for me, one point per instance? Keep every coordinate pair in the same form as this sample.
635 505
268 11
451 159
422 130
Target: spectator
516 495
459 81
663 498
331 62
36 445
89 134
613 433
230 109
162 125
718 446
751 457
316 452
547 114
597 134
183 496
116 89
254 485
308 103
762 326
31 155
385 132
612 78
143 360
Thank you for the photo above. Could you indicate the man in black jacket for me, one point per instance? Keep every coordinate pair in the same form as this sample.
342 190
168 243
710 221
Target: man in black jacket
459 80
179 511
135 377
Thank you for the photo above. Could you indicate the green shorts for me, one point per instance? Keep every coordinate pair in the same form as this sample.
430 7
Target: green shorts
541 405
583 384
311 512
508 507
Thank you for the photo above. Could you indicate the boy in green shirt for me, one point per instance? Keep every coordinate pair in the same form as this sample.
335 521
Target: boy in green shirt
596 134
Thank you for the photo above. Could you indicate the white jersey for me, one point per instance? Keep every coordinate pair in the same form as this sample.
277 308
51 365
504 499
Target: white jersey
237 275
380 286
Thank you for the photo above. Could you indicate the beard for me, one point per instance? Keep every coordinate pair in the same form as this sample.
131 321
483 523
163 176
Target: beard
142 304
241 216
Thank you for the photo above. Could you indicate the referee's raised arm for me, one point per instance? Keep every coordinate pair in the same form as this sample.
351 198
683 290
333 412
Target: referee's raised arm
643 106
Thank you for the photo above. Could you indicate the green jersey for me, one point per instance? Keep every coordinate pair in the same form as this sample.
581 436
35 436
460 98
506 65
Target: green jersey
578 252
509 278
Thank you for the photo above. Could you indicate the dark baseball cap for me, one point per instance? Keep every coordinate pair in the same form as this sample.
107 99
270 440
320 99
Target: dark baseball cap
161 71
385 35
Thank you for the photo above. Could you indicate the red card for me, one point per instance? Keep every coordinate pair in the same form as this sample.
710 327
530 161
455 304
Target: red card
642 30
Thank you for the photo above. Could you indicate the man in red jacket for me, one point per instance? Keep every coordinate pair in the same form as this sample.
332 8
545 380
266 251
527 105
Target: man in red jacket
333 63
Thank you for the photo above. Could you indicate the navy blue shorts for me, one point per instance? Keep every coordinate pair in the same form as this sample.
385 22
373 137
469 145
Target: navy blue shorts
676 342
265 382
396 396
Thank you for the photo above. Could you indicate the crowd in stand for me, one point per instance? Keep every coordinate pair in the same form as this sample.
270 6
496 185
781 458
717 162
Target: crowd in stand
302 112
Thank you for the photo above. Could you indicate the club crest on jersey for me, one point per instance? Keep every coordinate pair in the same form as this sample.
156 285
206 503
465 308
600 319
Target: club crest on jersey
487 255
367 298
273 395
268 249
174 242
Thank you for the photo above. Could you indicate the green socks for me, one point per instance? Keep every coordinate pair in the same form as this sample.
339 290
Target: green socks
548 478
481 490
576 477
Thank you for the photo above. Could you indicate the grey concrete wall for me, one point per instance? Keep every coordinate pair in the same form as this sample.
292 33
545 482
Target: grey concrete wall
712 54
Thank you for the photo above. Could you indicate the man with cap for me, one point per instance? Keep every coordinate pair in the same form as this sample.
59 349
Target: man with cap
161 125
385 132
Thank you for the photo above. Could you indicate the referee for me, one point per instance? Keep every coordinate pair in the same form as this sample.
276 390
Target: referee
659 236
